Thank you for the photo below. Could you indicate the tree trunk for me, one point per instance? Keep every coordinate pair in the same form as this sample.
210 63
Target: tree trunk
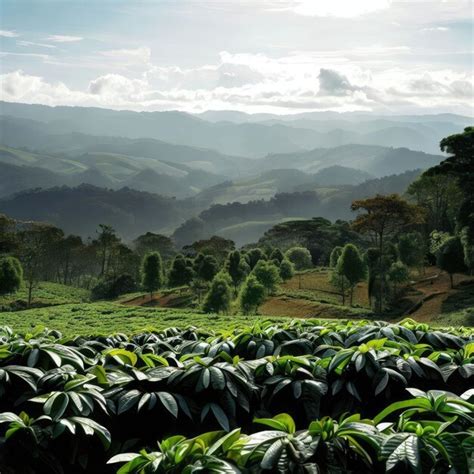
451 279
30 293
343 293
352 294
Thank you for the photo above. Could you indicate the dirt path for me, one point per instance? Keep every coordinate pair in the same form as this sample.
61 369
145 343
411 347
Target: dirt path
435 288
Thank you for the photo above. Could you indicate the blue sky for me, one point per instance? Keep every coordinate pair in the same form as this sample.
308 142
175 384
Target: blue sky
252 55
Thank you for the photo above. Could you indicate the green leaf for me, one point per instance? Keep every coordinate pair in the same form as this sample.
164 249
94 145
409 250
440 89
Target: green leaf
169 402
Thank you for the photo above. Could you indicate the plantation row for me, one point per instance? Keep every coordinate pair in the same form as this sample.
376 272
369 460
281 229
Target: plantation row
60 397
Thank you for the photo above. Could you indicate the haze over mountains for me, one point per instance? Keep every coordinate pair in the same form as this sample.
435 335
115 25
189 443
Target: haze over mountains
217 157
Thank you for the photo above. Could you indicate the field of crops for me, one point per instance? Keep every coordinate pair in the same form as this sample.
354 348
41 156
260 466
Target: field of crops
299 396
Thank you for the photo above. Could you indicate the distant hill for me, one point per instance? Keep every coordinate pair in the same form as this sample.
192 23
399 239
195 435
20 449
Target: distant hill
236 133
81 209
373 159
340 175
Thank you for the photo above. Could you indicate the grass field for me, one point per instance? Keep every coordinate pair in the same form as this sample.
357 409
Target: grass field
46 294
108 318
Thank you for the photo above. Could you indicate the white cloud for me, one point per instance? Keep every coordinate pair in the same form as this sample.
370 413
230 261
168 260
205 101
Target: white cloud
31 43
8 34
436 28
330 8
63 38
258 83
137 55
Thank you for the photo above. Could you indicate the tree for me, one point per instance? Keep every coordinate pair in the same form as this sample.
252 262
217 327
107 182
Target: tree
460 165
339 282
384 217
11 275
106 240
253 256
277 254
216 246
152 273
180 272
219 297
450 257
300 257
151 242
439 196
252 295
36 244
398 274
351 266
334 257
411 249
287 270
267 274
207 268
237 268
468 246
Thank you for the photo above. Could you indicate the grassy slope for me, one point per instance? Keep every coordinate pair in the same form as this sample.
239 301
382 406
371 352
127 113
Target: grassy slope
46 294
107 318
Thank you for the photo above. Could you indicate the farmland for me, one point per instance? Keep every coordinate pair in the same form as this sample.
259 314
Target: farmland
87 400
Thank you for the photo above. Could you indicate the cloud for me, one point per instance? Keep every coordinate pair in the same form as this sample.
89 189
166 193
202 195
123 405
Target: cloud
140 55
63 38
333 83
31 43
436 28
332 8
8 34
258 83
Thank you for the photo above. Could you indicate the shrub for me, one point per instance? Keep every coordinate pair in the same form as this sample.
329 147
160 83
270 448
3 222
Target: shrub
11 275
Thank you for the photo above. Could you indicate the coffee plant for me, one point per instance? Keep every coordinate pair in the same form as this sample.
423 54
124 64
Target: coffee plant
301 397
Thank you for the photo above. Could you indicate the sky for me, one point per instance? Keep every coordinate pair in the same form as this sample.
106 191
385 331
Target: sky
282 57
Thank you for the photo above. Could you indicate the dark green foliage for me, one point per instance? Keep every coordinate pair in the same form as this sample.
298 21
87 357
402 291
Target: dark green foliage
353 394
237 267
267 274
397 275
334 257
111 288
219 296
411 249
151 242
286 270
351 267
152 272
181 273
300 257
252 295
11 275
450 257
277 254
207 268
253 256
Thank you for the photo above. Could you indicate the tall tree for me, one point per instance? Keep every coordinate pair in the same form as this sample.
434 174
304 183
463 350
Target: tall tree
352 267
152 273
334 257
237 268
180 272
450 258
267 274
252 295
219 297
207 268
383 218
36 244
151 242
106 240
